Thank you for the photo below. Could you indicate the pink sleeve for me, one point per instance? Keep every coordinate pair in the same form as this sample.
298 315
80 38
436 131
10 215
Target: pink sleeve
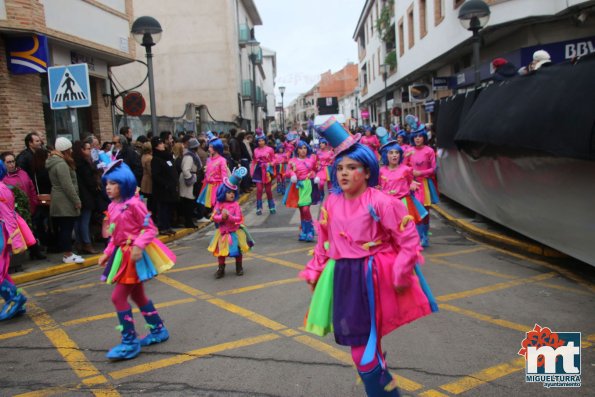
236 215
426 173
409 176
316 265
224 169
290 169
148 231
109 248
404 238
217 215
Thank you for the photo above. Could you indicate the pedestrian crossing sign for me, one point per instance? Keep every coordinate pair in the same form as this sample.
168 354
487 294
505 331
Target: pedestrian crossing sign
69 86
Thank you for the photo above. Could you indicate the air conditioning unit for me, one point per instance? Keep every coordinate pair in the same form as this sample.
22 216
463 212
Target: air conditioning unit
419 92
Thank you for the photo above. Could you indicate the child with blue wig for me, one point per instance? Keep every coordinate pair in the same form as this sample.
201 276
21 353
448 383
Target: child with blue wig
216 169
133 255
303 190
262 172
281 160
231 237
363 273
15 237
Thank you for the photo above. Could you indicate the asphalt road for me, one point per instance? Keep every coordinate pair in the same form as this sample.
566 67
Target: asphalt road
243 336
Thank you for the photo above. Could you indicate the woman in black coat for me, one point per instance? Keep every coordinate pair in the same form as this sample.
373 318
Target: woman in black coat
165 185
88 184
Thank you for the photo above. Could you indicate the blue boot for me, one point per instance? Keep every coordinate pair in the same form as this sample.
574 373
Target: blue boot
309 231
258 207
272 208
379 383
303 229
130 346
15 300
158 332
425 242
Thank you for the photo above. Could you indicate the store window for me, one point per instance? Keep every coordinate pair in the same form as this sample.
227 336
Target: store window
73 124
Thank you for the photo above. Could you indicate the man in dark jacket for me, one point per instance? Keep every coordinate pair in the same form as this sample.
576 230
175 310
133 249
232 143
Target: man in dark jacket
127 153
165 185
25 158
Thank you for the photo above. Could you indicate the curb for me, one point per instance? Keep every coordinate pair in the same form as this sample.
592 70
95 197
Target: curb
62 268
528 247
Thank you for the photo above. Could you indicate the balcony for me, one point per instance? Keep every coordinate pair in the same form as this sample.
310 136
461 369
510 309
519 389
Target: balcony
244 34
246 90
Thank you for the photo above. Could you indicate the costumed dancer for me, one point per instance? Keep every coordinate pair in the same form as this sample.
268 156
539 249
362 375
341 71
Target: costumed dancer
423 162
325 157
262 172
404 143
281 159
133 255
291 139
15 237
216 169
396 179
231 238
303 190
371 140
364 273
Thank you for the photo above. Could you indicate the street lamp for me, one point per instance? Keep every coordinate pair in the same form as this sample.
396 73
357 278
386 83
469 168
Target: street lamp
147 32
282 92
474 16
253 44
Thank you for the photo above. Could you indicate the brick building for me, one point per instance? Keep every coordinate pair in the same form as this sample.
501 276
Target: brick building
61 33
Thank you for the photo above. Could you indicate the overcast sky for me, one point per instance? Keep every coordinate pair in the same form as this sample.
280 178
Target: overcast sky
309 37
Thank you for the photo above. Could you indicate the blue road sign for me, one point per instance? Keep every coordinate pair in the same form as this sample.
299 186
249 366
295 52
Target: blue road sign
69 86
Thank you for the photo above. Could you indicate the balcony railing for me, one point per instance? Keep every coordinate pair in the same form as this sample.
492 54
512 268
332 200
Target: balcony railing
244 34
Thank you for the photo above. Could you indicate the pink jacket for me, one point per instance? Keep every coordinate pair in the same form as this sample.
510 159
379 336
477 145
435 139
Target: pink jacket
21 180
302 168
281 158
129 222
423 159
370 141
14 241
385 231
396 182
234 219
264 155
216 169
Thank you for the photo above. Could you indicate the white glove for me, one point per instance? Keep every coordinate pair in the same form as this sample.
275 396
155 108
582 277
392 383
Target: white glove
293 179
317 180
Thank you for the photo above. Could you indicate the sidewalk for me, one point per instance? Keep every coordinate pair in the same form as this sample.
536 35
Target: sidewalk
52 266
489 231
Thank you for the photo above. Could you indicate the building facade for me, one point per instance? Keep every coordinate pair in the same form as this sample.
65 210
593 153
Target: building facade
35 35
204 66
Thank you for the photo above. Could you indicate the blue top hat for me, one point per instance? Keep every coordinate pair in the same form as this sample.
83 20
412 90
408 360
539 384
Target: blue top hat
235 178
382 135
210 136
337 136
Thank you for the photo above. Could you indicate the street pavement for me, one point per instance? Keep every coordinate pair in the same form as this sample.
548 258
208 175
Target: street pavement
243 336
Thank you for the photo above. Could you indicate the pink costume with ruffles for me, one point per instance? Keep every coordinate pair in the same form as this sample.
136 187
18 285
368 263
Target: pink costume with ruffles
234 219
302 168
325 161
216 169
397 181
263 157
372 142
384 231
423 160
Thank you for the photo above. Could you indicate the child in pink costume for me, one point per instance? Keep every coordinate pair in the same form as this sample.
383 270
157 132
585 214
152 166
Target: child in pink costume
15 236
364 267
371 140
262 173
133 255
231 237
423 162
215 171
303 190
281 159
325 157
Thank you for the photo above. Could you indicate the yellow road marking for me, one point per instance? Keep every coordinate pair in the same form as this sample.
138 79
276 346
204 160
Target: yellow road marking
281 262
456 253
567 289
104 316
50 391
63 290
105 392
288 251
196 267
259 286
486 318
494 287
472 269
247 314
432 393
59 277
67 348
191 355
476 379
181 286
289 332
16 334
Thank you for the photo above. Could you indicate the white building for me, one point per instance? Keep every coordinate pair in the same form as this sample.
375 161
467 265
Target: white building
202 66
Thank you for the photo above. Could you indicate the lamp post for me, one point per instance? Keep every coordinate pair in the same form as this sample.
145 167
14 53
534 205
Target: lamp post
282 92
474 16
147 32
253 44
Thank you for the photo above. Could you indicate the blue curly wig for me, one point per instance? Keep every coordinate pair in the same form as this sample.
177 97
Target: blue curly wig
260 137
124 177
222 191
3 170
217 146
420 132
362 154
405 137
388 148
323 140
302 144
